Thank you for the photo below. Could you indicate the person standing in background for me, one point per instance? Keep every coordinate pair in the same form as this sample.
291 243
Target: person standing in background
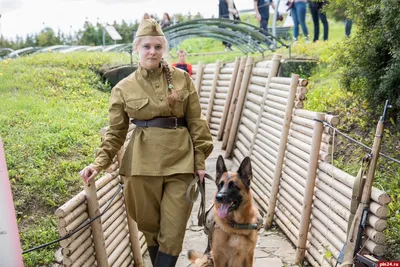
262 12
166 21
227 12
298 12
182 64
347 27
317 14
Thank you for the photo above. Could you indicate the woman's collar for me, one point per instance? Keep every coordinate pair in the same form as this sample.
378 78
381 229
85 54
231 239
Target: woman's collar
150 73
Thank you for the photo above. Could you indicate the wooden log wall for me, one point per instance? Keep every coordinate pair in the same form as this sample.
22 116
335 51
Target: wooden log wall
122 241
258 125
206 85
331 211
215 84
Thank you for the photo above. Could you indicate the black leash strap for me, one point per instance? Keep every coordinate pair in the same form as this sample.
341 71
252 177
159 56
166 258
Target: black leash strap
200 188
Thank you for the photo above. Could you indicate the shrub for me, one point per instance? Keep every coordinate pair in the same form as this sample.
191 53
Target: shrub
370 59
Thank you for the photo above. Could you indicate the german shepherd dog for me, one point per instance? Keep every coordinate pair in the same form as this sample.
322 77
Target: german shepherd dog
234 235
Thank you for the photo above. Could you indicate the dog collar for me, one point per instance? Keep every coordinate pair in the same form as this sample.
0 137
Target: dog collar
245 226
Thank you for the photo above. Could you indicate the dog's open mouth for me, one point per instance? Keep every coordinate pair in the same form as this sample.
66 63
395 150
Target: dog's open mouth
225 208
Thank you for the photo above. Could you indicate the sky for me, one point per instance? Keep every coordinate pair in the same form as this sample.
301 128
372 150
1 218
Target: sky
22 17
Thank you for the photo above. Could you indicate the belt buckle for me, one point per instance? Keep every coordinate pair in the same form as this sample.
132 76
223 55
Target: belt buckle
176 123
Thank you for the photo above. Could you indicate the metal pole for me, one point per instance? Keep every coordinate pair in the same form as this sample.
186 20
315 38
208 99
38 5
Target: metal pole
104 36
274 22
1 32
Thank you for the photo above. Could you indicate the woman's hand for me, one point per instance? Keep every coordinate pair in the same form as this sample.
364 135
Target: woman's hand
233 11
258 16
88 173
201 174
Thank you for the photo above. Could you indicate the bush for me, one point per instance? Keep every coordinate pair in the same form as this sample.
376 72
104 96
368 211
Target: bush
370 60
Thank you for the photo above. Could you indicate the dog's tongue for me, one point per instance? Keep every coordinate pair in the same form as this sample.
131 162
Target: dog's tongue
223 210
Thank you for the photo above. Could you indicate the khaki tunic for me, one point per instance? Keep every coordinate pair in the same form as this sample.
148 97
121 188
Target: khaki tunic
155 151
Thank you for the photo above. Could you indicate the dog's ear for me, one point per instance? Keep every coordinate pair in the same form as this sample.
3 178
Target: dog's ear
245 173
221 168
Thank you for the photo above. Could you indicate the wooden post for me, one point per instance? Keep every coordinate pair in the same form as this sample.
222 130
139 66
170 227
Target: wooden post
281 151
309 189
276 60
97 229
134 237
232 106
132 225
228 99
238 110
199 76
212 93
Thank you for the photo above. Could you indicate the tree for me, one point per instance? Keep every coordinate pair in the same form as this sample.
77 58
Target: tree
90 35
30 40
370 60
47 37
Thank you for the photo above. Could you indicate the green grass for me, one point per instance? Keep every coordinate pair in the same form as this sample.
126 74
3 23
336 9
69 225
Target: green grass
51 110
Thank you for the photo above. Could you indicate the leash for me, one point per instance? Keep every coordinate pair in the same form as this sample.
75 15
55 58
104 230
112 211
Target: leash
200 189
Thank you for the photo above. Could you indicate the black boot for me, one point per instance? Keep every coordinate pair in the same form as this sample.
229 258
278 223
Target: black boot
153 250
165 260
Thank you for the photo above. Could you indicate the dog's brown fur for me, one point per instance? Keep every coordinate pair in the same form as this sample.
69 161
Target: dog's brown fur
232 247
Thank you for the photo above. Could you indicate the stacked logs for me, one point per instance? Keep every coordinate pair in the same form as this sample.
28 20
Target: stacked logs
78 250
232 102
331 213
258 132
220 96
270 142
210 74
195 70
296 170
254 132
78 247
254 83
119 231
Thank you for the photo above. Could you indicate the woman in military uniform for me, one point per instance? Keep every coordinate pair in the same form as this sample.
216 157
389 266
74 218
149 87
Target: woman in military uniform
169 145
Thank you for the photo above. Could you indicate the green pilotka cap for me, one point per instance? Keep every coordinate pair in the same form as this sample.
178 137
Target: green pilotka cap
149 27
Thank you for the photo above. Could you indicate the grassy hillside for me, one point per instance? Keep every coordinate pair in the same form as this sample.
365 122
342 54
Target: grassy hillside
51 109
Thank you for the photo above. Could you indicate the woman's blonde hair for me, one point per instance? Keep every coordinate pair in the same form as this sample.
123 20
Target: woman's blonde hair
173 95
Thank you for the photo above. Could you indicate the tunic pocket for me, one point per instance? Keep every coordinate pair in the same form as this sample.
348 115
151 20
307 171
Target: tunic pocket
181 102
136 108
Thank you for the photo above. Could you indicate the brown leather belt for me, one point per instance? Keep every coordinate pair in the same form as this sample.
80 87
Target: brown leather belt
162 122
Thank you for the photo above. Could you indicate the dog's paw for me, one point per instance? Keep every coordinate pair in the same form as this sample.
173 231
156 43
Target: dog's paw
194 255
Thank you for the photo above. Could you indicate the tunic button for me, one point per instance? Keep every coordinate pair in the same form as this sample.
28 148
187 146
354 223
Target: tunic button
137 107
157 85
161 99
